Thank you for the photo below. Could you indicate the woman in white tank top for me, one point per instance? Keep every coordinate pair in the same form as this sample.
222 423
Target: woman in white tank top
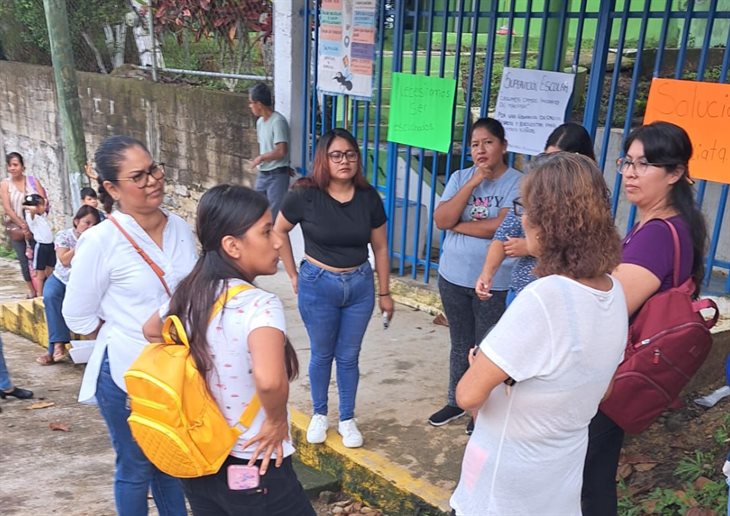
12 191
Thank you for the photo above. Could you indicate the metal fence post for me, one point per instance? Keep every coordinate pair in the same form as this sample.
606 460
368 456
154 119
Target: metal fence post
600 58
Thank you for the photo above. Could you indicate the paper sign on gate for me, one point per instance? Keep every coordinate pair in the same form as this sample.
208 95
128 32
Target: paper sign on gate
421 111
703 110
530 104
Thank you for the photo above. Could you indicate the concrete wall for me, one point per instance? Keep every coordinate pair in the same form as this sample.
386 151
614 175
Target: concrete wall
205 137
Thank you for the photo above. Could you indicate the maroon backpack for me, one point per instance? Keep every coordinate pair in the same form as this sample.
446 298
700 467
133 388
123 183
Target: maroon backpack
668 341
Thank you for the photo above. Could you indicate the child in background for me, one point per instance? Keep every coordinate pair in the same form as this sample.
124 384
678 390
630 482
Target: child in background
55 288
90 198
44 256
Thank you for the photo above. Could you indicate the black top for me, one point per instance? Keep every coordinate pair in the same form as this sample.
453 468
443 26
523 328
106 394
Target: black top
336 234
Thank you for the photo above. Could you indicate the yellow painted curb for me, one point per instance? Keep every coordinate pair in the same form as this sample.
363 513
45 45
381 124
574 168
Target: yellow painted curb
368 476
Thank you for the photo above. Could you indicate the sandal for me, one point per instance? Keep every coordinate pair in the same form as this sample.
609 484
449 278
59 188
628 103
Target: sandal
59 355
45 359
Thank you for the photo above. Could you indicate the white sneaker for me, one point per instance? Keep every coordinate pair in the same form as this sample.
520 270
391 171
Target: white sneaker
317 430
351 436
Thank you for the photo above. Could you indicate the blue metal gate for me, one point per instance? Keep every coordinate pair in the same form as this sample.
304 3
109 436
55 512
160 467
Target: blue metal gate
614 47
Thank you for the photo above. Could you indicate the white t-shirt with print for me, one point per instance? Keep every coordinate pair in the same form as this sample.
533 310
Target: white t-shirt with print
527 451
230 380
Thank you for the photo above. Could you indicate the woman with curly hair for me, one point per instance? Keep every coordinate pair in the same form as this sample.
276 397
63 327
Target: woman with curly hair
535 387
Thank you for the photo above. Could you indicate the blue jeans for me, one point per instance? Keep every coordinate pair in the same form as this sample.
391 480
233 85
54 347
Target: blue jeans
53 293
511 295
274 185
134 474
336 309
5 383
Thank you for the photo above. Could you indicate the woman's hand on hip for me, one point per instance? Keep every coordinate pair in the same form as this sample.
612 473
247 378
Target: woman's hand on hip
268 441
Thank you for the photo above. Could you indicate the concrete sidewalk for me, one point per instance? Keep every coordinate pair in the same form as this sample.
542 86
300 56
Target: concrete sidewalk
405 467
403 380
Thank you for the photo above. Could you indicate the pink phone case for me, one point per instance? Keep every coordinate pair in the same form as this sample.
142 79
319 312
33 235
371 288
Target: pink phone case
242 477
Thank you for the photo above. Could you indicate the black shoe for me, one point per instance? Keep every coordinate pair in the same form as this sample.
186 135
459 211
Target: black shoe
470 426
21 394
445 415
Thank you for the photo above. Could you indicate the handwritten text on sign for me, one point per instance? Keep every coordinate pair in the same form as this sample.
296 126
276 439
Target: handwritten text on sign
421 111
530 104
703 110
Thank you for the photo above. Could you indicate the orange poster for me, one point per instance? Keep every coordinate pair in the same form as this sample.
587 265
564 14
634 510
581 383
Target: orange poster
703 110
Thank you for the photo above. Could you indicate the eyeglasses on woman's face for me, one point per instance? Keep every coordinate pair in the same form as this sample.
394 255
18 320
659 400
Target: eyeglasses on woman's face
338 156
141 178
518 208
640 166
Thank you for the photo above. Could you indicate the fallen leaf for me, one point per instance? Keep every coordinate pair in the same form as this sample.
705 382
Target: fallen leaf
624 470
699 511
441 320
635 458
701 482
645 466
40 405
63 427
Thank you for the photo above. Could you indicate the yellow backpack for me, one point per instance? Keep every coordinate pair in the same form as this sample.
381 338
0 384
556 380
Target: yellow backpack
174 419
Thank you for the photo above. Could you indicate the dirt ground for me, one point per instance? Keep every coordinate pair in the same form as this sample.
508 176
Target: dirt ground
651 462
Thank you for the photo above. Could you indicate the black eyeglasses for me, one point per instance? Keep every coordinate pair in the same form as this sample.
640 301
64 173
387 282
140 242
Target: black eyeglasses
518 208
142 178
337 156
640 165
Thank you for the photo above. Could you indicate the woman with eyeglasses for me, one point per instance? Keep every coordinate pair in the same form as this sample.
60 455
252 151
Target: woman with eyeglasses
537 378
113 289
474 203
655 170
340 214
509 239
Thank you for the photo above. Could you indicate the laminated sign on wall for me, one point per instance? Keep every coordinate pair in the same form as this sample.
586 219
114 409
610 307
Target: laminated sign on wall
530 104
346 47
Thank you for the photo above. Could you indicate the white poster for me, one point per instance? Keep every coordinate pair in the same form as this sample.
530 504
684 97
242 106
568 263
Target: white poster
530 104
346 47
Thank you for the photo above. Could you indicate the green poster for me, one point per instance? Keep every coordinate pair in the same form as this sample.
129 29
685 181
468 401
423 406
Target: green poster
421 111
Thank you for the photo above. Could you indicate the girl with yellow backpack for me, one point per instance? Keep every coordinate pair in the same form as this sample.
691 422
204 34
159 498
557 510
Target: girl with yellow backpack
243 353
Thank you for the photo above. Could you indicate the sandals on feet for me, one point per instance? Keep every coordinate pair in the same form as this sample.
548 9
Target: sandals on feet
45 359
59 355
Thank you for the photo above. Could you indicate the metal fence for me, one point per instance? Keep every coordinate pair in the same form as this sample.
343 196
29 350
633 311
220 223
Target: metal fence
223 46
614 47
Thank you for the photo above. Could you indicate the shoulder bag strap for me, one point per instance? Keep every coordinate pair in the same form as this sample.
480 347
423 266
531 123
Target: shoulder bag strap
252 409
155 268
677 251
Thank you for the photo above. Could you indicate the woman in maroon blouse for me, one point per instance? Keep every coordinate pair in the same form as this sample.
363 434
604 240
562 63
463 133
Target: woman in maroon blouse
655 169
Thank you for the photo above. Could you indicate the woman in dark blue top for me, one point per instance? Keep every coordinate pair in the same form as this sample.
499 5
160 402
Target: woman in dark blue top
340 214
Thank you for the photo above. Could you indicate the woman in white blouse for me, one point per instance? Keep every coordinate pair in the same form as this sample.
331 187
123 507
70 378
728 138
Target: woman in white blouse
112 291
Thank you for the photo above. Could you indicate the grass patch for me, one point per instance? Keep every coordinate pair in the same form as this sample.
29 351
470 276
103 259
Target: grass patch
6 251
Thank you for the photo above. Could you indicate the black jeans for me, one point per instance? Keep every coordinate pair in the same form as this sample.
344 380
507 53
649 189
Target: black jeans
605 438
284 496
469 320
19 248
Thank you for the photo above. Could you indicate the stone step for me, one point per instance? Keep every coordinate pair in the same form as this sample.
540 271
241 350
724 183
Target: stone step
313 481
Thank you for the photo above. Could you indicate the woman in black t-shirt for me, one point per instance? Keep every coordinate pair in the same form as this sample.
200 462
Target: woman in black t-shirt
340 214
